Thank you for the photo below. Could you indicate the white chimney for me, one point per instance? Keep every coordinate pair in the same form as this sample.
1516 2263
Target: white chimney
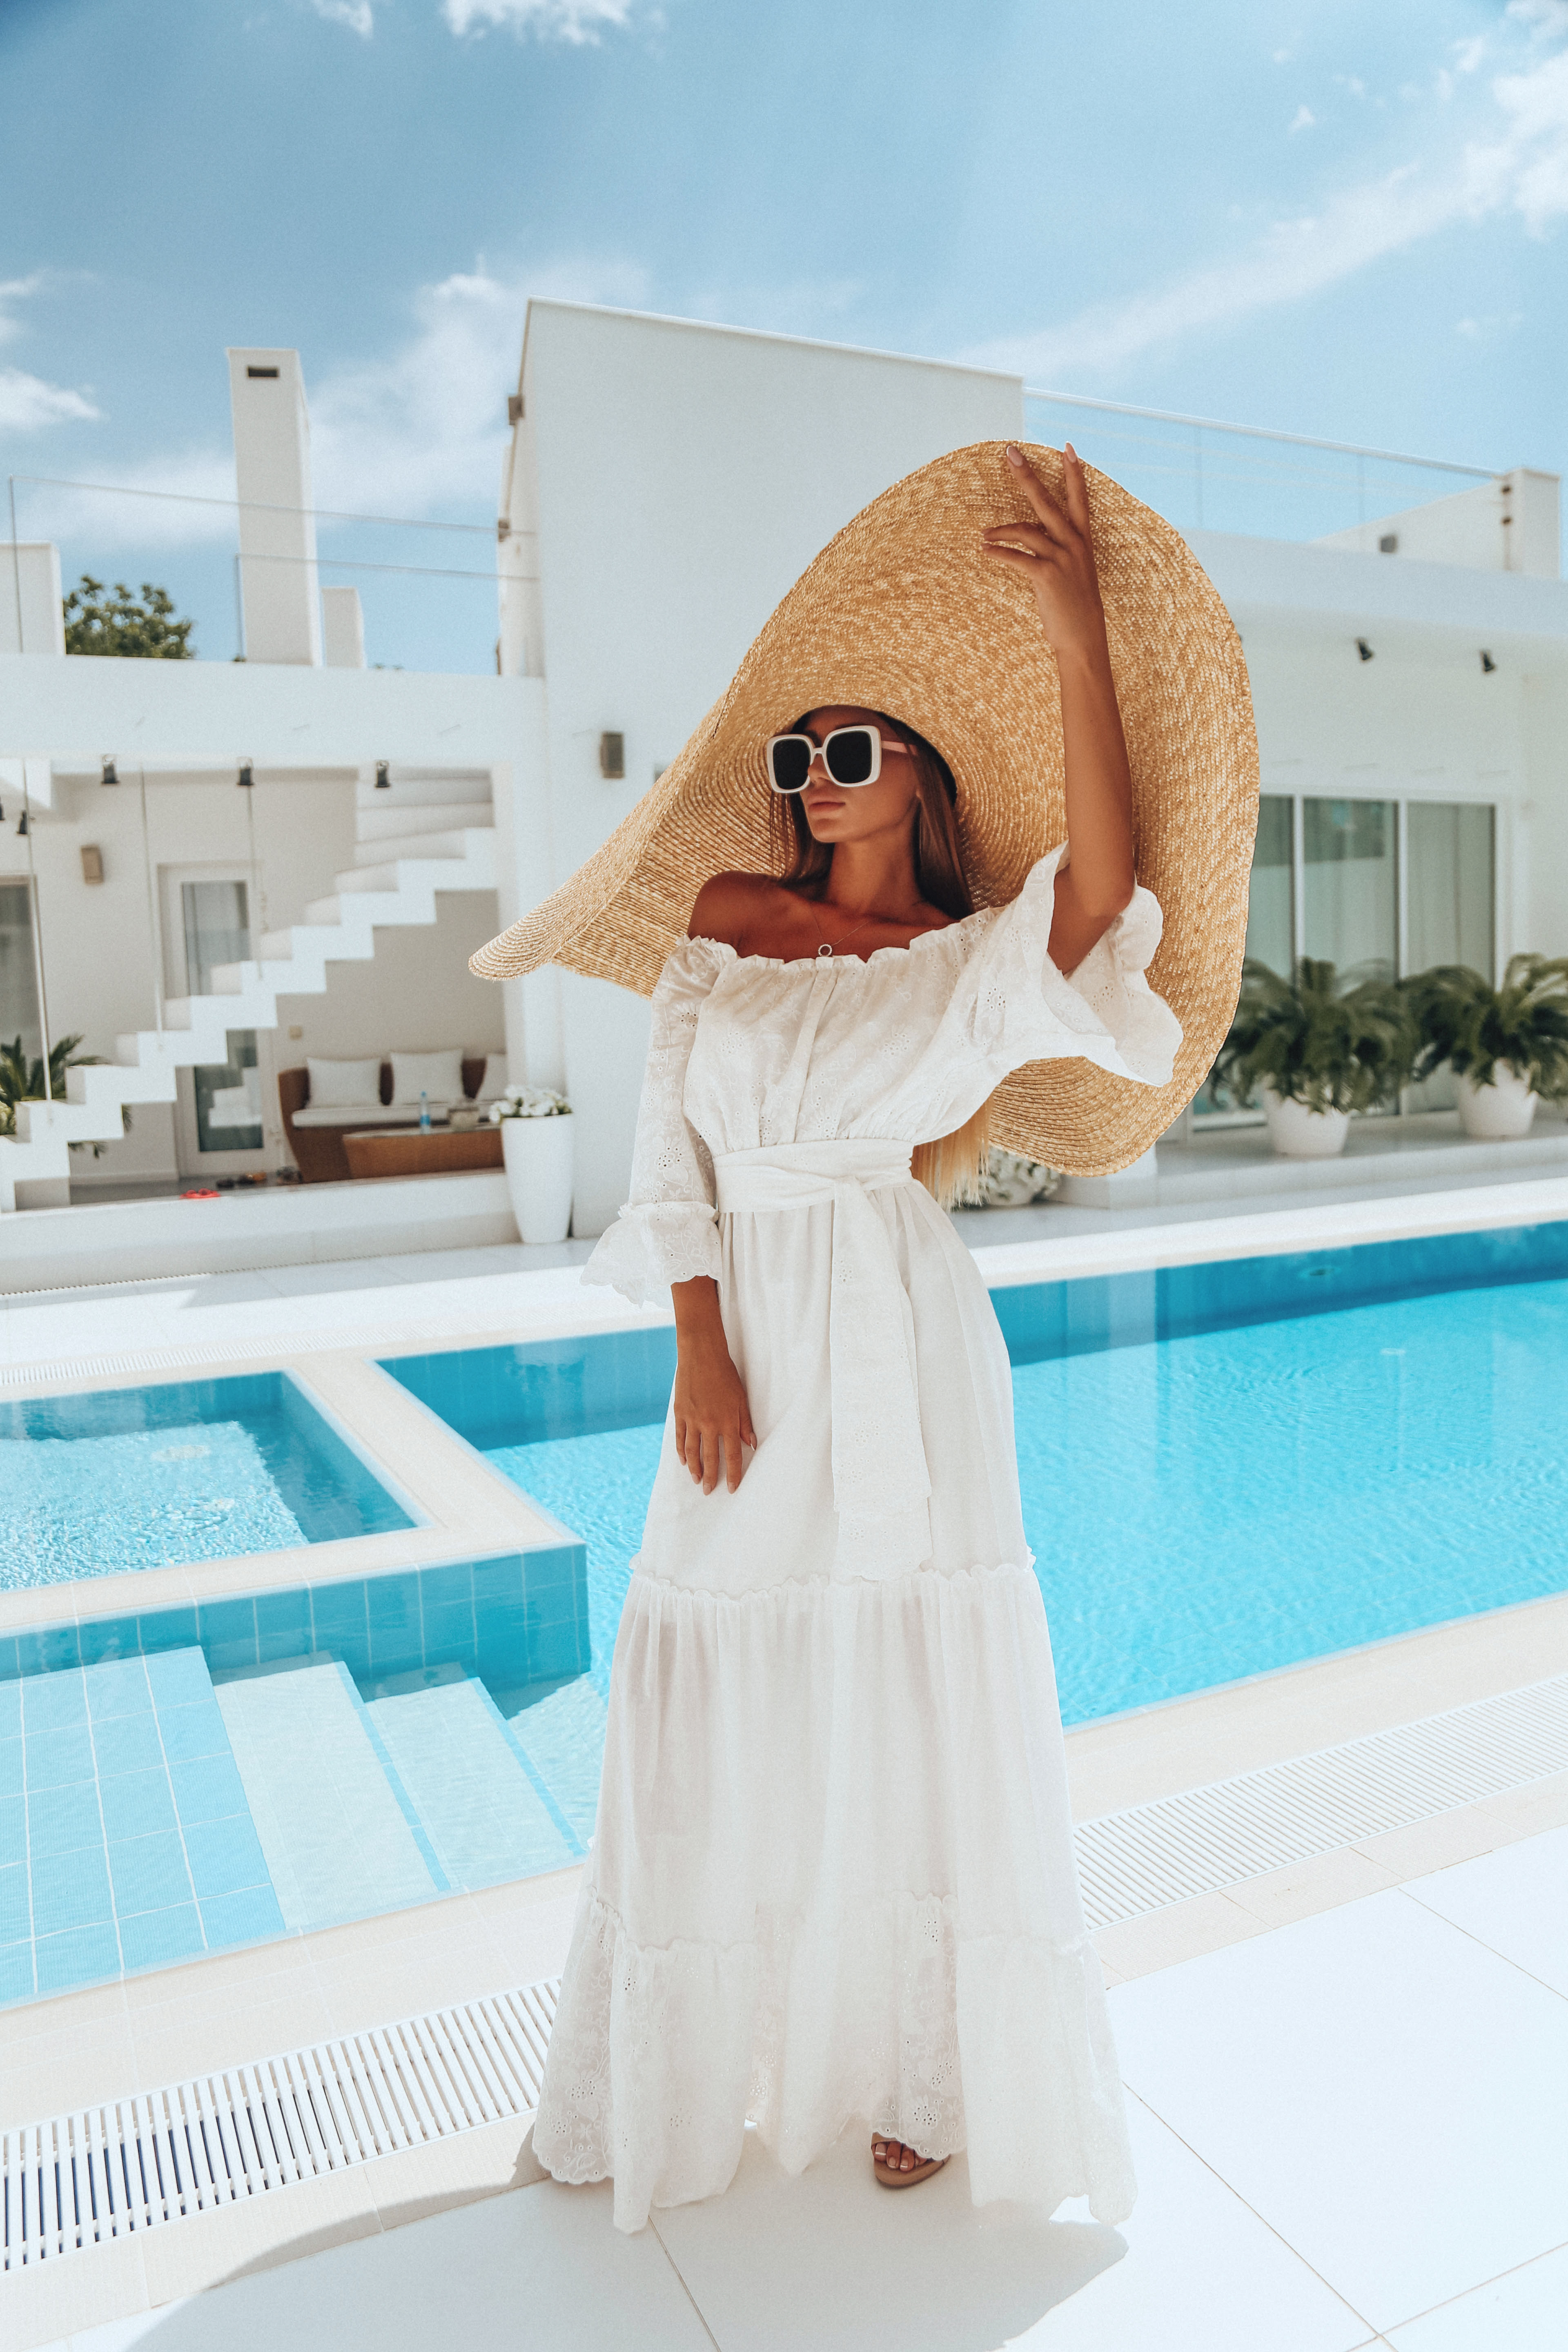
342 629
277 522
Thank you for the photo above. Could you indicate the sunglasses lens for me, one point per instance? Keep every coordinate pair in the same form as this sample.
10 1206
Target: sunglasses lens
847 754
789 762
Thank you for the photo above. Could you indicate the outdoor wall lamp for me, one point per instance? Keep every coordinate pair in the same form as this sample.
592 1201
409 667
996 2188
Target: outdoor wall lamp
111 773
383 775
245 777
1487 665
1363 650
612 757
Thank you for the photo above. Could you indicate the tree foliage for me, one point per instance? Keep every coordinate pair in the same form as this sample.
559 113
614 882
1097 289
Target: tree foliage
1468 1022
100 620
1330 1042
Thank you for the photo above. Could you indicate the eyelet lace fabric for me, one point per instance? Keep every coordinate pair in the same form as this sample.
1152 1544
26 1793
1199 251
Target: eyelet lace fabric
833 1874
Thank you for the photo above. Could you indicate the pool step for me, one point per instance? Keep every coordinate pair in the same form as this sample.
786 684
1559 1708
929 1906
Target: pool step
562 1737
341 1838
488 1811
126 1839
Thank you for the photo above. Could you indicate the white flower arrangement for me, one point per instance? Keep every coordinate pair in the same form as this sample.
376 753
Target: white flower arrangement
529 1102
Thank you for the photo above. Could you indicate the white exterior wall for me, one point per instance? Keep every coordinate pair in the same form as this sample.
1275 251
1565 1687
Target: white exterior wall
277 527
33 621
1512 523
668 485
313 737
342 629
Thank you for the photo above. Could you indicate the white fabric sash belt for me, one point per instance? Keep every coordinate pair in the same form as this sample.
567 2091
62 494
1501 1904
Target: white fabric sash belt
878 1461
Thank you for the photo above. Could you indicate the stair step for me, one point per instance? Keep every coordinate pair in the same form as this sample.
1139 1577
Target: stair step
358 908
458 872
562 1737
333 1821
307 942
141 1846
456 788
489 1817
375 826
421 845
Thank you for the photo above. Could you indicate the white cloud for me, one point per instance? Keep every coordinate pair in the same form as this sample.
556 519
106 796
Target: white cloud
425 428
357 14
1514 159
410 432
575 21
1305 120
28 403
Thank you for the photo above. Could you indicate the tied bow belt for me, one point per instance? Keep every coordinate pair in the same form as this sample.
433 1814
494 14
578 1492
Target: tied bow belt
878 1460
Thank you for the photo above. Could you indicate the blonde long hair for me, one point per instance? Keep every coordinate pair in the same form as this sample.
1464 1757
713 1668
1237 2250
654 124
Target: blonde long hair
950 1165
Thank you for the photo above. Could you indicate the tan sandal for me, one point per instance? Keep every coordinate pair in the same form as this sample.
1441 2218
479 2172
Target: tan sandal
892 2177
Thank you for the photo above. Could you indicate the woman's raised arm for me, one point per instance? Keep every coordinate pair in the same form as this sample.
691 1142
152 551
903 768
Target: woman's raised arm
1056 553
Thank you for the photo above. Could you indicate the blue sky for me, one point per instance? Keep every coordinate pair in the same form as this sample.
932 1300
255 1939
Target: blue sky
1332 219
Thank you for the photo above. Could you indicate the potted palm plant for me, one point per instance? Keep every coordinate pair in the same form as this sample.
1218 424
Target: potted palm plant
1508 1046
1316 1046
536 1125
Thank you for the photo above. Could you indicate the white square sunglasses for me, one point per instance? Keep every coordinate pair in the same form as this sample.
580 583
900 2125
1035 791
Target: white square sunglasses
851 755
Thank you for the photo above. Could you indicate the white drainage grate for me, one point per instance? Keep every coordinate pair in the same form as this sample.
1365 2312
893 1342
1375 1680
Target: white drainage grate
1211 1838
142 2163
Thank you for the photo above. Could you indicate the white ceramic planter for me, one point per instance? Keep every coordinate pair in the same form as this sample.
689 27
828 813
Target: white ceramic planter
1505 1107
538 1155
1299 1133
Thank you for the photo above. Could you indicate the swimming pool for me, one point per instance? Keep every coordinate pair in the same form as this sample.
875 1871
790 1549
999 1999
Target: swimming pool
164 1476
1226 1468
188 1780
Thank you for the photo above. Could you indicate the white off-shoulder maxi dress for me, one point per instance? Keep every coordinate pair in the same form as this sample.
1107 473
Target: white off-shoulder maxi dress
832 1875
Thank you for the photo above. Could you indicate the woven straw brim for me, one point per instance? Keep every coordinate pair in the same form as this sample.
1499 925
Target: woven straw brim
902 613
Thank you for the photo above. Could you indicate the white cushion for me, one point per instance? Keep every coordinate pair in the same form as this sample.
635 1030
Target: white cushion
333 1084
494 1081
367 1115
439 1077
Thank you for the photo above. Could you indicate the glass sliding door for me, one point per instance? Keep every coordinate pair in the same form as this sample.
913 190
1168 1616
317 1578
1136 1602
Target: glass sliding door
216 928
1271 908
1452 857
1326 883
19 971
1271 930
221 1113
1351 886
1451 863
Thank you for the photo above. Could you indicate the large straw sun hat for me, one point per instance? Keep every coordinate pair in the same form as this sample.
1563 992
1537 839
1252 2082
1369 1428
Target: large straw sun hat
901 614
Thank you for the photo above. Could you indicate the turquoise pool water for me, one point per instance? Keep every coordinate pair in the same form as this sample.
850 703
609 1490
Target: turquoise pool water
183 1471
1208 1507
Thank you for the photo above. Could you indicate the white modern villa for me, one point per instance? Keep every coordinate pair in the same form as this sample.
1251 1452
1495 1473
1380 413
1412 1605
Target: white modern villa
321 1489
229 869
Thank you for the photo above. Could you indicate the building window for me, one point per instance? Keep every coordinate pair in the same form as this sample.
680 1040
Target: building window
1347 881
18 971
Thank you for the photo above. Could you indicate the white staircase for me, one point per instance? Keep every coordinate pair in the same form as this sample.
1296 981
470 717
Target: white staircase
419 835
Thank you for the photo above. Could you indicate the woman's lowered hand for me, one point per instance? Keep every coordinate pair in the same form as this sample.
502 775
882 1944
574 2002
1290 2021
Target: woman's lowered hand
712 1419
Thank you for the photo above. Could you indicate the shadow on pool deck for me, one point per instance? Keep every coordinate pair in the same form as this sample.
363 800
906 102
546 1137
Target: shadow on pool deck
830 2261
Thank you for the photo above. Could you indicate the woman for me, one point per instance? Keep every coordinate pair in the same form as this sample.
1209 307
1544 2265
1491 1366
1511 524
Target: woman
833 1874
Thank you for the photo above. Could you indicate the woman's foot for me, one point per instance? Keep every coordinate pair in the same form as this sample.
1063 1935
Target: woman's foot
897 2166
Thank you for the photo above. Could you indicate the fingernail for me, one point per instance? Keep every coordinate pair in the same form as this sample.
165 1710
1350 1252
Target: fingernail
1014 457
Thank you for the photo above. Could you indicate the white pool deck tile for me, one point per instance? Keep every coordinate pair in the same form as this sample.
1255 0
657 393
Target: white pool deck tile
1383 2091
1527 2311
1514 1902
